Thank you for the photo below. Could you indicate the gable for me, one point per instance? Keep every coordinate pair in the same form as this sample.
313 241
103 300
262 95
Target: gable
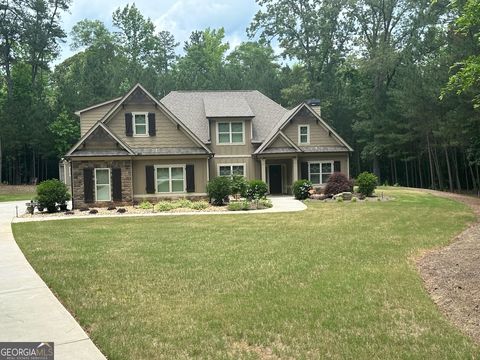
279 143
99 139
90 116
168 134
170 131
319 134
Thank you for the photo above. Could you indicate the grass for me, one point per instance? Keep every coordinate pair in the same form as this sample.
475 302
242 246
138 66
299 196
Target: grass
16 192
336 281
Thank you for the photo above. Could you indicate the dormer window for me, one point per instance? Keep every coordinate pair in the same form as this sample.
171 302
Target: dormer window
231 132
140 124
304 134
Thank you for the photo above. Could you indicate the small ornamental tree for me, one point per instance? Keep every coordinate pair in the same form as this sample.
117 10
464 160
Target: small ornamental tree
257 189
338 183
301 189
218 189
51 193
367 183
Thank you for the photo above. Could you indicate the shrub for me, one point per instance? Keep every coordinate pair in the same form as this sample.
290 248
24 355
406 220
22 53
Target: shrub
264 203
93 211
354 199
339 199
164 206
199 205
366 182
239 205
239 186
182 203
257 189
338 183
301 189
52 192
218 189
146 205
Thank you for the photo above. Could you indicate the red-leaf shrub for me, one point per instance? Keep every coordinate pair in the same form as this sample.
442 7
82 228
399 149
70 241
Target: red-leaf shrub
338 183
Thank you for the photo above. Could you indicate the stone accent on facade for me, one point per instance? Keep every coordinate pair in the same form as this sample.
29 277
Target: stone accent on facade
77 178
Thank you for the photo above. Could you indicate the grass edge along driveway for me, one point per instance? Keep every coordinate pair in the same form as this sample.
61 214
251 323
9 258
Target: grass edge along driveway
335 281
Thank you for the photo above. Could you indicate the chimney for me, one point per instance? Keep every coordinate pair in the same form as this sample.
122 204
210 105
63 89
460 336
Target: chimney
315 105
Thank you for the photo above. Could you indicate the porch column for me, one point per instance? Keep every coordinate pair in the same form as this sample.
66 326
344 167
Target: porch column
295 169
264 169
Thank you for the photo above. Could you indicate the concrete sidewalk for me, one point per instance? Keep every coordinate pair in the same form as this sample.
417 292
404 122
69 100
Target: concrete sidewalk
281 203
28 309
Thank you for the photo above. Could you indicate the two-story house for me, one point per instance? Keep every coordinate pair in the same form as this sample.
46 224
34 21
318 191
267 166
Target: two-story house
137 147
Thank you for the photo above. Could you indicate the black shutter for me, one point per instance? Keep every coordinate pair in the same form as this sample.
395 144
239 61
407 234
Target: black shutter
190 175
150 179
128 124
152 129
88 185
304 170
337 166
117 184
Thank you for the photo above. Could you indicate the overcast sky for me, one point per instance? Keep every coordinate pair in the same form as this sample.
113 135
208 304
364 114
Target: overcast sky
180 17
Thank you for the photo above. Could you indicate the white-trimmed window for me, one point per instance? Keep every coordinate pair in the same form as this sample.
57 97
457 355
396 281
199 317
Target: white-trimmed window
304 134
319 171
170 178
140 124
231 132
231 169
102 184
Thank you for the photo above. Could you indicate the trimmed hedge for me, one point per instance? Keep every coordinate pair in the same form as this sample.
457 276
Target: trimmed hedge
51 193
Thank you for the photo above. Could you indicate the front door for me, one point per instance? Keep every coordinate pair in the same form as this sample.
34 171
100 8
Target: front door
275 178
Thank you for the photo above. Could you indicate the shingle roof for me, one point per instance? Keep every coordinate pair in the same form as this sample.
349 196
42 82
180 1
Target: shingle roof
170 151
227 105
100 152
192 107
320 149
281 150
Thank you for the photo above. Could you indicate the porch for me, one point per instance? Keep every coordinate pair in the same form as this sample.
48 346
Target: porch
279 173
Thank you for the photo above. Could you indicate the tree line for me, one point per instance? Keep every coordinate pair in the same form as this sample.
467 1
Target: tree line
398 79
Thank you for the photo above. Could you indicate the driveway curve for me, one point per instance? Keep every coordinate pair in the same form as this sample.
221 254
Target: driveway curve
28 309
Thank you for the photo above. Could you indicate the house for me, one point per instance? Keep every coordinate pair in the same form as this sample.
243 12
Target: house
137 147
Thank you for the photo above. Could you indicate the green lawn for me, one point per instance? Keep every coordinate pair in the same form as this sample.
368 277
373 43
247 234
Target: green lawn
16 192
336 281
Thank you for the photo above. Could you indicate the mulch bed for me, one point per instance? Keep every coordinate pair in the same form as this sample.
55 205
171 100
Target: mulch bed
452 274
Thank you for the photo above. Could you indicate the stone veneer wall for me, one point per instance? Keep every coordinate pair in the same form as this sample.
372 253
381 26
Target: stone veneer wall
77 177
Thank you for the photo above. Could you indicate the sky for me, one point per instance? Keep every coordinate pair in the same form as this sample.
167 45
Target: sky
180 17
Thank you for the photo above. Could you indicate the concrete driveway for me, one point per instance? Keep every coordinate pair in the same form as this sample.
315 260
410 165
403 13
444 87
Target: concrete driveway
28 309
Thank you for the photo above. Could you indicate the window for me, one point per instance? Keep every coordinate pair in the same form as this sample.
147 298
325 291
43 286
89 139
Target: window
304 134
170 179
140 124
102 184
319 172
231 169
230 132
